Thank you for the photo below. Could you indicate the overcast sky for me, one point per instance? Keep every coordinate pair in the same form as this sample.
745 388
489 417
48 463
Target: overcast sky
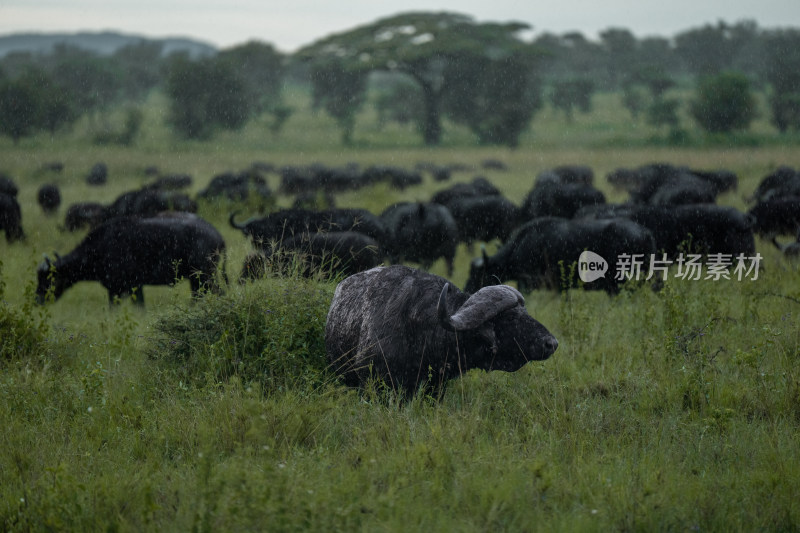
289 24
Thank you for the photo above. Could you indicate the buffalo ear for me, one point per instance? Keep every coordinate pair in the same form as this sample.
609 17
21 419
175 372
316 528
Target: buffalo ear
481 307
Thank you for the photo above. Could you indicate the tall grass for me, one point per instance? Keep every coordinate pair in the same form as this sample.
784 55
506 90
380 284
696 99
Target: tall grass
669 410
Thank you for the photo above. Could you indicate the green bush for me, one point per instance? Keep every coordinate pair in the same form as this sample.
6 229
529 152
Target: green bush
22 330
125 136
724 103
270 333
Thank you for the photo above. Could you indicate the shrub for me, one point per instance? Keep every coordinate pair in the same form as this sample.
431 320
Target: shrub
271 332
724 103
206 95
124 137
22 330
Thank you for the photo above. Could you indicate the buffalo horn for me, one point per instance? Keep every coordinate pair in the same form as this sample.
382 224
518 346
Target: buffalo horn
484 305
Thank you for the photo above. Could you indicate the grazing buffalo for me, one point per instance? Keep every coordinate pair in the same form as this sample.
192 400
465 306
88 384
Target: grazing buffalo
479 186
683 189
409 328
420 232
551 198
666 184
303 180
696 228
483 218
7 185
148 202
396 177
126 253
573 174
84 215
721 180
171 182
778 215
11 218
784 181
98 174
49 198
237 186
543 252
335 253
286 223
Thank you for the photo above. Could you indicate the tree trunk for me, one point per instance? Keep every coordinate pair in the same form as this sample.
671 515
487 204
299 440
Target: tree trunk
432 125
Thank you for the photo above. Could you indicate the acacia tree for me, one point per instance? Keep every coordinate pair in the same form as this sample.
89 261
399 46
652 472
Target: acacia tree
206 95
495 99
341 91
621 50
19 108
570 93
93 83
428 47
782 71
262 69
56 109
141 65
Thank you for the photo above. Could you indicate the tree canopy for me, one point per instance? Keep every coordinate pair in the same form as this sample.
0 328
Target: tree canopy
429 47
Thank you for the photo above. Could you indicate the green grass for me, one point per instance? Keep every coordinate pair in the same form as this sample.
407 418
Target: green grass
676 410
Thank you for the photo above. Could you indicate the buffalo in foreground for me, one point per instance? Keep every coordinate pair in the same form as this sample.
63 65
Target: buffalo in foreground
128 252
409 328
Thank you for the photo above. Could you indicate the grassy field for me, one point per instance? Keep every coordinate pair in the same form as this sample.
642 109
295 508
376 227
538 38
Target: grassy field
676 410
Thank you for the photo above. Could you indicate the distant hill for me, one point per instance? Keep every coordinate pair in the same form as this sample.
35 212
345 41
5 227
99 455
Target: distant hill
102 43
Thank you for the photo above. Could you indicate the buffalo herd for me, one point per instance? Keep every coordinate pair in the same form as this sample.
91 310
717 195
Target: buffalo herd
669 211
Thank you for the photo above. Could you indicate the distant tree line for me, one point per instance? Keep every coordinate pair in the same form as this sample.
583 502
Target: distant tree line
421 68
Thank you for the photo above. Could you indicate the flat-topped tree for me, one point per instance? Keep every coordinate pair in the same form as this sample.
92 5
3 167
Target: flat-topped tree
440 52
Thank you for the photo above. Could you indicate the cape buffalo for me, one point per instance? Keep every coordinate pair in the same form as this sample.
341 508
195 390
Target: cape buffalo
84 215
479 186
421 232
542 253
11 218
551 198
332 253
697 228
126 253
483 218
7 185
784 181
776 216
49 198
407 328
286 223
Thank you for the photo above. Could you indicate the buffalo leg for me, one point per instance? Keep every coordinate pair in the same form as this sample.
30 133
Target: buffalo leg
137 295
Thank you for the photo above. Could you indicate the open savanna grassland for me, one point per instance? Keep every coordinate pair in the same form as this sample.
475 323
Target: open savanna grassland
669 410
